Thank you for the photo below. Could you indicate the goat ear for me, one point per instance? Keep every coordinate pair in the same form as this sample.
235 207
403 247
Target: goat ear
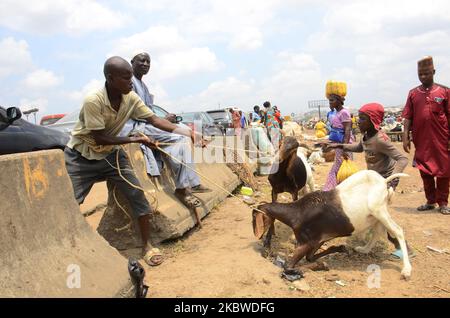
259 227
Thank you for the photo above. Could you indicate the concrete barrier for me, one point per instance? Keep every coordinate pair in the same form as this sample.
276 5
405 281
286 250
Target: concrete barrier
96 199
171 219
46 247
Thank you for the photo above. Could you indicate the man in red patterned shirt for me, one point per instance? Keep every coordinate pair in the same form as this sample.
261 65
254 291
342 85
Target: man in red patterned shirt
427 115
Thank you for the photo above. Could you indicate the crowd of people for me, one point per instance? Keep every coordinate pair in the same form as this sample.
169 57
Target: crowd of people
113 115
269 117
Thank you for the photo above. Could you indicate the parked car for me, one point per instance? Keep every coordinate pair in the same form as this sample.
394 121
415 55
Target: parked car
209 128
223 118
50 119
68 122
18 135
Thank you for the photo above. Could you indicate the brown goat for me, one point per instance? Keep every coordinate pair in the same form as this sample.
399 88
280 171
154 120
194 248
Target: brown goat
288 172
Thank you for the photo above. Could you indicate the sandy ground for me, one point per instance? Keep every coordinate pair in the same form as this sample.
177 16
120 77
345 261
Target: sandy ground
223 259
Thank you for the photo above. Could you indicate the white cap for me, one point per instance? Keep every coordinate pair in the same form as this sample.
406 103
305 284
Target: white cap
138 52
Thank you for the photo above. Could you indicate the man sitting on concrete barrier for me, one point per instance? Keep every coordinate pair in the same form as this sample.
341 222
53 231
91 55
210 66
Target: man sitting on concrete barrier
93 154
187 180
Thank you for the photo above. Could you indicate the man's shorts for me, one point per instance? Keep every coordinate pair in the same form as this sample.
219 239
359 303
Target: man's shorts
84 173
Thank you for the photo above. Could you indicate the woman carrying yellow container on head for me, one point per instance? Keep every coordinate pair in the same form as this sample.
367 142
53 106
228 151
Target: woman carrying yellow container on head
341 129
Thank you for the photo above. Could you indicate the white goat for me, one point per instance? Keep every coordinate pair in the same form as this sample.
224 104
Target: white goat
316 157
356 205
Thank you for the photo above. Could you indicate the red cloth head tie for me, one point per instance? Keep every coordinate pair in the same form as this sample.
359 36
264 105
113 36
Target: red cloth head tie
375 112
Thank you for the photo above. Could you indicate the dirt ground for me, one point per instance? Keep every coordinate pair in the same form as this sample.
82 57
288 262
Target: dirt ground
223 259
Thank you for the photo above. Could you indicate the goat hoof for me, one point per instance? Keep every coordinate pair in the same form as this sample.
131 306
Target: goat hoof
292 274
266 245
265 253
292 271
406 275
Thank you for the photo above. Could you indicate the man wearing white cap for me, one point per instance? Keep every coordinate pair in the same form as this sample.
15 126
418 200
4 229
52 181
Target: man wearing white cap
186 180
93 153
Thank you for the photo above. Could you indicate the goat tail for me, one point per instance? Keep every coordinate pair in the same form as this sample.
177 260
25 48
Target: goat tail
391 193
391 190
396 175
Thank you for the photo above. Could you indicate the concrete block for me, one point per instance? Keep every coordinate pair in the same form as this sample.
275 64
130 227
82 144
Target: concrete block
44 239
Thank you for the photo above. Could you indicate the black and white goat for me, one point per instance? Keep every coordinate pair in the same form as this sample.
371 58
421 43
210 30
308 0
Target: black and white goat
291 171
356 205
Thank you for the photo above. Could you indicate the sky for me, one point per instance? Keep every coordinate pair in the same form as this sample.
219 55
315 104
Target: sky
210 54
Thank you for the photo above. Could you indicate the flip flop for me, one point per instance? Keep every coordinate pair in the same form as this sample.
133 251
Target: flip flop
398 255
148 257
190 201
444 210
426 207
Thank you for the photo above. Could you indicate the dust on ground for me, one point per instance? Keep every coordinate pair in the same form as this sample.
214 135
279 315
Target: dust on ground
223 259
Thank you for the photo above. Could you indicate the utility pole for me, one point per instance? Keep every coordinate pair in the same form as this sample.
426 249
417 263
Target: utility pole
317 104
31 111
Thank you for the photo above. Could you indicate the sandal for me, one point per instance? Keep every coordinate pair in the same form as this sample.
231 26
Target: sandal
398 255
153 257
200 189
426 207
190 201
444 210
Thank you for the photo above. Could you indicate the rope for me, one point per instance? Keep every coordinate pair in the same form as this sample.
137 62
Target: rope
92 144
213 146
201 175
127 226
155 200
151 195
149 192
116 168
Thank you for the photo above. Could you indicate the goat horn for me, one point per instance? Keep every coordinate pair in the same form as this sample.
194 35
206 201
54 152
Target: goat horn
306 146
